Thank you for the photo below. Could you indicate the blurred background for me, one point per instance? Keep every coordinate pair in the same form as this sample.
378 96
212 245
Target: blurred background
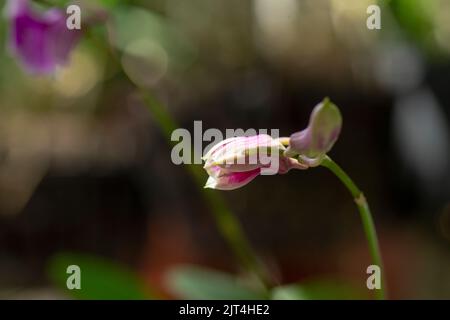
85 167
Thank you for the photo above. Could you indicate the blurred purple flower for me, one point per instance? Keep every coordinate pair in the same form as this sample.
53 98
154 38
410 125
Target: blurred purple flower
40 40
236 161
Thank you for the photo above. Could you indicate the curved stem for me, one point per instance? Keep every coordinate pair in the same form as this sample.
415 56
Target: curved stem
226 221
366 217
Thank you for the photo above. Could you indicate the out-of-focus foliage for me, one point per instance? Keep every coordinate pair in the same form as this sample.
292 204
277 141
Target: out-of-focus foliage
100 278
418 19
323 289
149 45
192 282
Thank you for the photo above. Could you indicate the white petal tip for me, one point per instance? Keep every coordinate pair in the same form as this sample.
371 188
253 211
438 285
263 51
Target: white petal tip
211 183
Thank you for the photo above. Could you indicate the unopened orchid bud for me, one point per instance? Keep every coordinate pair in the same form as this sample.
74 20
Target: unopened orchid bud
312 143
235 162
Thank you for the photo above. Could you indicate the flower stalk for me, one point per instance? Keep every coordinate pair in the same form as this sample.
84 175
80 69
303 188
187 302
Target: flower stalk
366 217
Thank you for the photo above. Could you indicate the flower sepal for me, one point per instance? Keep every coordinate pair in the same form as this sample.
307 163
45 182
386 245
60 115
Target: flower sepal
311 144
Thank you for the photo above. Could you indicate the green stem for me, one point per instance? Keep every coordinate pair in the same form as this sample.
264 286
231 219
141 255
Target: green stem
226 221
366 217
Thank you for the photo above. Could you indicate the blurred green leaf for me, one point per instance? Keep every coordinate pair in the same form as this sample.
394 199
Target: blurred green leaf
110 3
134 24
318 290
100 279
65 3
415 17
191 282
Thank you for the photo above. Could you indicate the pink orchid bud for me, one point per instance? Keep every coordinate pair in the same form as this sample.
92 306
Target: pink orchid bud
39 40
235 162
312 143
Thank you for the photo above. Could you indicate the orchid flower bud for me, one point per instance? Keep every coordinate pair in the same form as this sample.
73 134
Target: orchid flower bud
40 40
312 143
236 161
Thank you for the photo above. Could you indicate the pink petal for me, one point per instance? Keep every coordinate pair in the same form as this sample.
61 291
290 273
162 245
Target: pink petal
232 180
